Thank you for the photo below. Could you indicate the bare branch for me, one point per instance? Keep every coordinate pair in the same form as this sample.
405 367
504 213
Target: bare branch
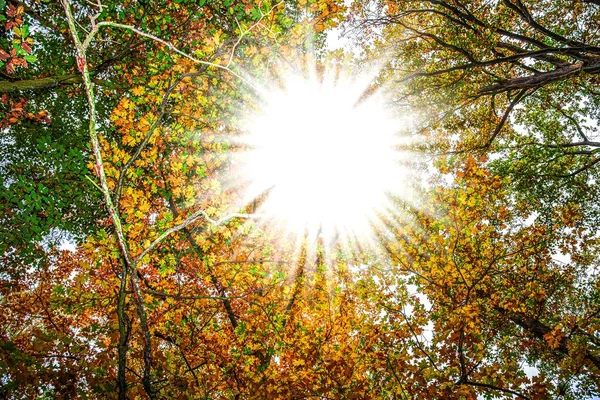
549 76
534 81
244 33
522 11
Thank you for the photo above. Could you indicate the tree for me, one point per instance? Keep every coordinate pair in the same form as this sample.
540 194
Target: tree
156 188
513 81
175 290
491 296
512 78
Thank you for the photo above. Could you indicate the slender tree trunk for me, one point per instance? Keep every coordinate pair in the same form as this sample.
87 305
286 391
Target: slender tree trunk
124 329
113 211
146 378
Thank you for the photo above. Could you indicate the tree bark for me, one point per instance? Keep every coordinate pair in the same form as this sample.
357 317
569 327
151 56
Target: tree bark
48 83
591 66
42 83
124 330
539 329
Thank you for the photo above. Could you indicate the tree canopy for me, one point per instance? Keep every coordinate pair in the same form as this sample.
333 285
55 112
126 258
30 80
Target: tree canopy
129 269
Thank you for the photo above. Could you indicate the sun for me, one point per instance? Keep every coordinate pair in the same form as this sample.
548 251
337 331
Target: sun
324 154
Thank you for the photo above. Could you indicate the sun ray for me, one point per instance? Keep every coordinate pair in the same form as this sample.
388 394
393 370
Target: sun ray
321 154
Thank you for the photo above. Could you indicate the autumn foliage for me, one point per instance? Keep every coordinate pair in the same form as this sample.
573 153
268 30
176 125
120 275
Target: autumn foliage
484 285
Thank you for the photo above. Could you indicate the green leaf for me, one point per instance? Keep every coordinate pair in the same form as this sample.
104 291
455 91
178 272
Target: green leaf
255 13
59 289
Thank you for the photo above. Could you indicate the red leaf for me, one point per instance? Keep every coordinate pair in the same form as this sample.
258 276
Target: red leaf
19 62
12 11
80 63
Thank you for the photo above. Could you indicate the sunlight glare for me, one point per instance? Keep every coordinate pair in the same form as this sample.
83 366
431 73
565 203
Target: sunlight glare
326 154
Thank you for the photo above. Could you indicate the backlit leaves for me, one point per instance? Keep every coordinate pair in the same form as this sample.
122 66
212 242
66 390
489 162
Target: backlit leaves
484 286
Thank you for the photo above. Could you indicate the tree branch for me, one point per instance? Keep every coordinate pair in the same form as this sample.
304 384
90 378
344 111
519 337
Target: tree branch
492 387
188 221
504 118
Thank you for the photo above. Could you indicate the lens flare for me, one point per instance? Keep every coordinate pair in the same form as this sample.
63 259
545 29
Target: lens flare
324 153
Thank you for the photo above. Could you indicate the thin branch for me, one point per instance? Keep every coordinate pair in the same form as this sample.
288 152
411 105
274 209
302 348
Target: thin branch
153 127
577 171
574 122
183 297
507 112
188 221
172 48
67 356
492 387
215 281
244 33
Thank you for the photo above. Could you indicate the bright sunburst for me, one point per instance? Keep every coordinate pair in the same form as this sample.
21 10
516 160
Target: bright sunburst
325 153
